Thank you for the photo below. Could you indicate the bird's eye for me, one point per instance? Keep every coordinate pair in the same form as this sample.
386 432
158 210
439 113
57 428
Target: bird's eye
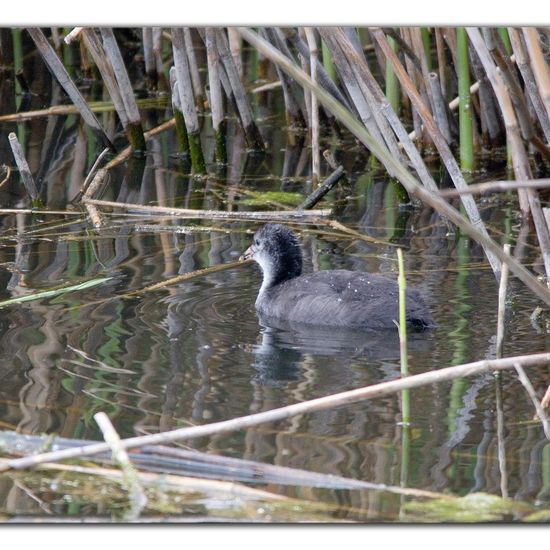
257 242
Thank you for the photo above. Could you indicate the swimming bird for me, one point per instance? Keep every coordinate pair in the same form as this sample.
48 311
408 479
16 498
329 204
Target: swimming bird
339 298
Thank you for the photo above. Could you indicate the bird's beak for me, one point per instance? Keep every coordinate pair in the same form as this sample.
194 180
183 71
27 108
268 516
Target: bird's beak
248 253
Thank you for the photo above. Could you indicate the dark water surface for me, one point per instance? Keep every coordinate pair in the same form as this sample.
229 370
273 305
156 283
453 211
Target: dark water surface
196 352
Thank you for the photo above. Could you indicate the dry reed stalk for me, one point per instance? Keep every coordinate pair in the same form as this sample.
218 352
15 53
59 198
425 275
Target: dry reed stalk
306 67
187 101
524 379
412 70
181 129
545 401
497 186
539 65
315 153
235 46
216 98
58 70
502 287
292 35
381 104
193 68
23 167
511 78
39 211
252 133
529 200
439 141
95 48
157 51
210 214
293 112
488 115
418 47
439 106
412 186
134 128
360 96
73 35
322 403
441 61
529 80
149 56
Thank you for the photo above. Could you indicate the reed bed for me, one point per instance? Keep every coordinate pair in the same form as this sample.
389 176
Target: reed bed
406 94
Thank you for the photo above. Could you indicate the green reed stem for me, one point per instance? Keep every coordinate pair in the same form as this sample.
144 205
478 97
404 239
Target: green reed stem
327 61
392 83
465 103
427 41
402 282
503 33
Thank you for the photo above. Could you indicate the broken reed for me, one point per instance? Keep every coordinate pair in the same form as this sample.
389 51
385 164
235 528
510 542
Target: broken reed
464 101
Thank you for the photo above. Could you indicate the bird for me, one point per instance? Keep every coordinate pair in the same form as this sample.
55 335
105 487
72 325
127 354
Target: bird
338 298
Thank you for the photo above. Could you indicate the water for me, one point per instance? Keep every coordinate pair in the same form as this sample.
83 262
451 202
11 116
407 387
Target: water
196 352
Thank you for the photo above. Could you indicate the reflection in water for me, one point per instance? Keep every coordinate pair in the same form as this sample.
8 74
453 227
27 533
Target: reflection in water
284 345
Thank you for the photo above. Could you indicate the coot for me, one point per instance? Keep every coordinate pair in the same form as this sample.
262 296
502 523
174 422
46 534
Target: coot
339 297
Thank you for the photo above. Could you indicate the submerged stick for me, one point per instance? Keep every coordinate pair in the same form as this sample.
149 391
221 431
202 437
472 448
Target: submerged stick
58 70
282 413
23 166
322 190
130 477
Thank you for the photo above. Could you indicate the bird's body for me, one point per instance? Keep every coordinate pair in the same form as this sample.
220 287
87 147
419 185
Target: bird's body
338 298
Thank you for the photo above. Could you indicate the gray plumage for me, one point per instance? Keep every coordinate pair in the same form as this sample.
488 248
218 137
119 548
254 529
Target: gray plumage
339 298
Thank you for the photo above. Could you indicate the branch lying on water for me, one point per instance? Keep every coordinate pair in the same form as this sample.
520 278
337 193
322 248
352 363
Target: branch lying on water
212 214
283 413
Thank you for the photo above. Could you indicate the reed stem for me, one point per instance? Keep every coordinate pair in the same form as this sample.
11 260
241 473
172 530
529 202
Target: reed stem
23 166
58 70
393 92
465 105
134 129
402 325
